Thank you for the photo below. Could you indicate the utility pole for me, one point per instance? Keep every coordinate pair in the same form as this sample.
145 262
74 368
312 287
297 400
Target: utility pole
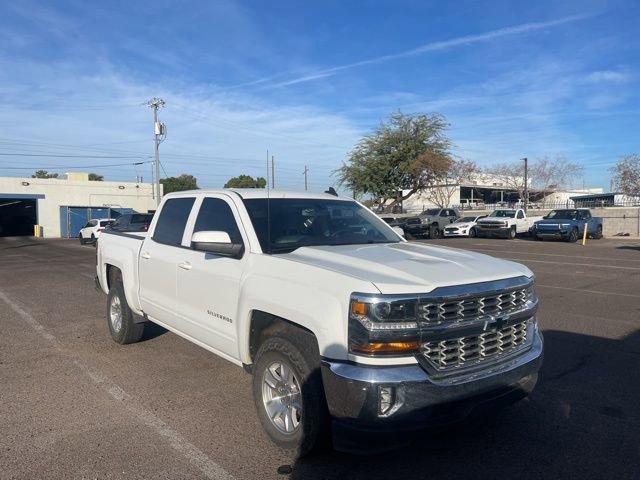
273 172
305 173
159 131
526 183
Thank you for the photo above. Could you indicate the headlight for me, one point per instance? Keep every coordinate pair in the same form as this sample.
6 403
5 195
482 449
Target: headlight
383 325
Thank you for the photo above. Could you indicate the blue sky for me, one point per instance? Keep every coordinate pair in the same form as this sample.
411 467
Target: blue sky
307 79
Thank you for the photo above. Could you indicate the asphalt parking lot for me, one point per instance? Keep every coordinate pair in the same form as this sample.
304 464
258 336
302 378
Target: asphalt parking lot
73 404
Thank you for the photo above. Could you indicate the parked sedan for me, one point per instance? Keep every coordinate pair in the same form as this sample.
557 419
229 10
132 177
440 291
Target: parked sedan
132 222
91 231
463 227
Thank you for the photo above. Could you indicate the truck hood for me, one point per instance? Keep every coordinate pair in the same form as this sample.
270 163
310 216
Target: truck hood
494 219
408 267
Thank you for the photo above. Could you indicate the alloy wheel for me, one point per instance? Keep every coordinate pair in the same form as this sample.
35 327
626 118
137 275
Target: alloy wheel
282 397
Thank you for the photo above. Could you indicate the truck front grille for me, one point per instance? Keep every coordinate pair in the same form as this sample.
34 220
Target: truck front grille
460 352
434 313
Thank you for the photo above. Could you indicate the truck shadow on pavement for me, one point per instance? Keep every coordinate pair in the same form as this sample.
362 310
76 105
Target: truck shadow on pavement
582 421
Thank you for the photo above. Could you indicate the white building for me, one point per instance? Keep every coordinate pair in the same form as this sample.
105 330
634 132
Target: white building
62 206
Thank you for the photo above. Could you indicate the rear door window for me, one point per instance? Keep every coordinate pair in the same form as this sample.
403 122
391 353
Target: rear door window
172 221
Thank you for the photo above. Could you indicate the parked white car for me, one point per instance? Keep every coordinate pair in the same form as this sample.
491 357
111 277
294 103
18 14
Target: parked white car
347 328
463 227
505 223
92 230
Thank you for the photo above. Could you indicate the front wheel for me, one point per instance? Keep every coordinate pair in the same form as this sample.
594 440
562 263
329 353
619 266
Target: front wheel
82 242
573 236
288 393
512 233
472 233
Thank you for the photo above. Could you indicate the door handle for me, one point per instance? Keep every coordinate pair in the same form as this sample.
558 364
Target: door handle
145 255
185 265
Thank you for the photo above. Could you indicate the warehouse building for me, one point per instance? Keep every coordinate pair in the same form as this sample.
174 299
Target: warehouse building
63 206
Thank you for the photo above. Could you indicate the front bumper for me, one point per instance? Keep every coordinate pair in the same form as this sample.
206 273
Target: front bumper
353 397
493 231
456 233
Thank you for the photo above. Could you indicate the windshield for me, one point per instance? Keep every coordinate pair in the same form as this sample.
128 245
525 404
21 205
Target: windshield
503 213
563 214
431 211
466 219
299 222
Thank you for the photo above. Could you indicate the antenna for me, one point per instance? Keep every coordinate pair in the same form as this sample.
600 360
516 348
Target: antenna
268 208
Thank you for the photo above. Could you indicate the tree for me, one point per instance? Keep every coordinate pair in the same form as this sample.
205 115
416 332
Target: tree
178 184
246 181
547 174
406 153
94 177
460 171
544 174
44 174
626 174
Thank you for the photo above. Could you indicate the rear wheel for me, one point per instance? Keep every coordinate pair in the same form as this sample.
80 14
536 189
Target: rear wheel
120 318
288 392
598 234
573 235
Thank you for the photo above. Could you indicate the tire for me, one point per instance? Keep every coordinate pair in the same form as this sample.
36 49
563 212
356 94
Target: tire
299 354
473 233
512 233
126 330
93 239
82 240
434 232
573 235
598 234
539 238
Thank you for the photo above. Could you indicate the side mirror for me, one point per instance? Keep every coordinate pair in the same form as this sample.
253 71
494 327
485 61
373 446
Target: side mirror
216 242
399 231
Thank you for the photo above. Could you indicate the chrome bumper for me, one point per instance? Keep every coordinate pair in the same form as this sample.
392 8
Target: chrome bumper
353 391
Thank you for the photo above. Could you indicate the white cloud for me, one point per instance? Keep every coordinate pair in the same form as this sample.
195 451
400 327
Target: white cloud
435 46
212 135
607 76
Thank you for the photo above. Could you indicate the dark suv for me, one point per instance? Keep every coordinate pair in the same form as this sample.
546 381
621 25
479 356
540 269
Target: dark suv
132 222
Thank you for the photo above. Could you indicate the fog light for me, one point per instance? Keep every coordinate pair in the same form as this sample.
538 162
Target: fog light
387 397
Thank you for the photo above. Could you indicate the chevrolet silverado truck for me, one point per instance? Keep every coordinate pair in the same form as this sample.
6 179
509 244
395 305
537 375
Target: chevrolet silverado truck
505 223
567 224
344 326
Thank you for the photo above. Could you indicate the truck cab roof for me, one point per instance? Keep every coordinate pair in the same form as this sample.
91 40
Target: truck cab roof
250 193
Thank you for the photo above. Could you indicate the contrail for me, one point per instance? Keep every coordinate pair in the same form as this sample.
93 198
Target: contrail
434 46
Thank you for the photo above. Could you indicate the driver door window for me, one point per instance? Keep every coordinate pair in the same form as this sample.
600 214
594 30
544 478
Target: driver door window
520 214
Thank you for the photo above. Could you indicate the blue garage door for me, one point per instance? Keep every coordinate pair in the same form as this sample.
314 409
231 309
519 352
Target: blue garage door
72 219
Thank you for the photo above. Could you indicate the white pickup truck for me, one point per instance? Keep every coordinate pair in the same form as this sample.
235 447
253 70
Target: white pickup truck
345 326
505 223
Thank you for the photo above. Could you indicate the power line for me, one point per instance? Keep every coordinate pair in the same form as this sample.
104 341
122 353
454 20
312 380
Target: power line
21 154
75 166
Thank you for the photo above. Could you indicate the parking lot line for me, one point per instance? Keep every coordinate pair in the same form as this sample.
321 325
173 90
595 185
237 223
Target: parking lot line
557 255
581 290
202 461
574 264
